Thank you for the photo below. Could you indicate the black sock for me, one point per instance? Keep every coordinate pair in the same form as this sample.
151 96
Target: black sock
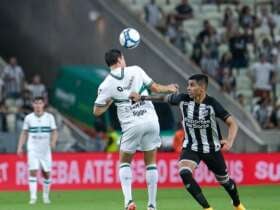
193 188
231 188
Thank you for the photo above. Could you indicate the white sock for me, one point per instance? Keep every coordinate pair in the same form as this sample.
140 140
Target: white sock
33 187
126 181
152 179
46 187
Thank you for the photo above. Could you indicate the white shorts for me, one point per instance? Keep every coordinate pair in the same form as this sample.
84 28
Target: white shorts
38 161
143 137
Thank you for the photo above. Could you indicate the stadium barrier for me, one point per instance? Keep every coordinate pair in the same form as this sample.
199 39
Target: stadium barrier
100 170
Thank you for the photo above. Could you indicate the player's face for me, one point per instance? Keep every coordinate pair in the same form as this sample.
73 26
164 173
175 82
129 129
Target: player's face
122 61
193 88
38 106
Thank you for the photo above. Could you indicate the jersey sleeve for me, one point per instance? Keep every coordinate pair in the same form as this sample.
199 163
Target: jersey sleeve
52 123
103 95
25 125
220 111
175 99
146 79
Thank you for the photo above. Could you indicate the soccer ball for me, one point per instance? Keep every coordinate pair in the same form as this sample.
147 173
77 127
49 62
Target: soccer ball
129 38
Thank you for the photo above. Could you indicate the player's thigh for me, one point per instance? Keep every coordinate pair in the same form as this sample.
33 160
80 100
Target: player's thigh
46 163
150 138
150 157
215 163
33 161
188 160
130 140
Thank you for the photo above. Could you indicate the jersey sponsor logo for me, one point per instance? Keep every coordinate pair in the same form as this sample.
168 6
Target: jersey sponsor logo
201 124
128 87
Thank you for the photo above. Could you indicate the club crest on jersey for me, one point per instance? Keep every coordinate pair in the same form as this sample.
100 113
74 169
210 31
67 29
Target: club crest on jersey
120 89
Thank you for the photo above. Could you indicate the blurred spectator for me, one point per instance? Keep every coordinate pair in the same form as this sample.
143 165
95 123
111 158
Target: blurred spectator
175 34
266 20
13 79
210 64
225 63
246 19
184 11
228 82
266 49
207 32
197 51
262 75
275 6
262 112
153 14
37 88
228 18
178 138
241 100
275 115
238 49
27 99
113 140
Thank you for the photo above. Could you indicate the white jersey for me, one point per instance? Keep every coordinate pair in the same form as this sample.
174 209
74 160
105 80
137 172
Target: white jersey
117 86
39 130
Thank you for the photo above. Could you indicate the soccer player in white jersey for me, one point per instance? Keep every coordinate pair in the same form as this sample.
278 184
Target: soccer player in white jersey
39 129
139 121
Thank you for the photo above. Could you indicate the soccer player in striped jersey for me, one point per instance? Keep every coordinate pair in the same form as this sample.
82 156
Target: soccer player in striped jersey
39 129
203 140
139 121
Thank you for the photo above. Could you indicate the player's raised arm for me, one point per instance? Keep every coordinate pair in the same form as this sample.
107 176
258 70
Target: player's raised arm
158 88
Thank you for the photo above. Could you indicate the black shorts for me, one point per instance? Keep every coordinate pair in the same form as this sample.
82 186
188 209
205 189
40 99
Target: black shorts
215 160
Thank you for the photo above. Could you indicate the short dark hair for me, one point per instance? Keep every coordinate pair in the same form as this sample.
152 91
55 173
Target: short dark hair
200 78
112 56
39 98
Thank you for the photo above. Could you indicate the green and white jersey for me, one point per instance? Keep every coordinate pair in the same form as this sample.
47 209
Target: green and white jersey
39 130
117 86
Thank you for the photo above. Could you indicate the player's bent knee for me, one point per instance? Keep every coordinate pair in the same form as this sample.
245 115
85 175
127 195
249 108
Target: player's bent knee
222 179
185 173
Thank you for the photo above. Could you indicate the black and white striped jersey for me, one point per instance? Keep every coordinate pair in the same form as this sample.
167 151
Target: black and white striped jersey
202 132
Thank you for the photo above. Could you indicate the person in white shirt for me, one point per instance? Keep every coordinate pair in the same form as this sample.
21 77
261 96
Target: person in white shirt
13 77
139 121
37 88
262 74
39 129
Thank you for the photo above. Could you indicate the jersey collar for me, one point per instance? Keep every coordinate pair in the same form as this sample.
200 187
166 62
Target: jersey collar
118 77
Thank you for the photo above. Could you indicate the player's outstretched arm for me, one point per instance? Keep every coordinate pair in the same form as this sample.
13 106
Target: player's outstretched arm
232 132
135 97
99 110
21 142
158 88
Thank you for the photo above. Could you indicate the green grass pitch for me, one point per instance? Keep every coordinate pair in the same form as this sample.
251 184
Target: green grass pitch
254 197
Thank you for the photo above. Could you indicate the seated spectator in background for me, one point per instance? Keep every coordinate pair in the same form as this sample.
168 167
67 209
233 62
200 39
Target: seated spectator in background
262 76
37 88
275 115
225 63
266 20
241 100
27 100
175 33
228 18
197 52
246 19
275 6
153 14
207 32
265 49
228 82
238 49
13 77
178 138
184 11
262 112
210 64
